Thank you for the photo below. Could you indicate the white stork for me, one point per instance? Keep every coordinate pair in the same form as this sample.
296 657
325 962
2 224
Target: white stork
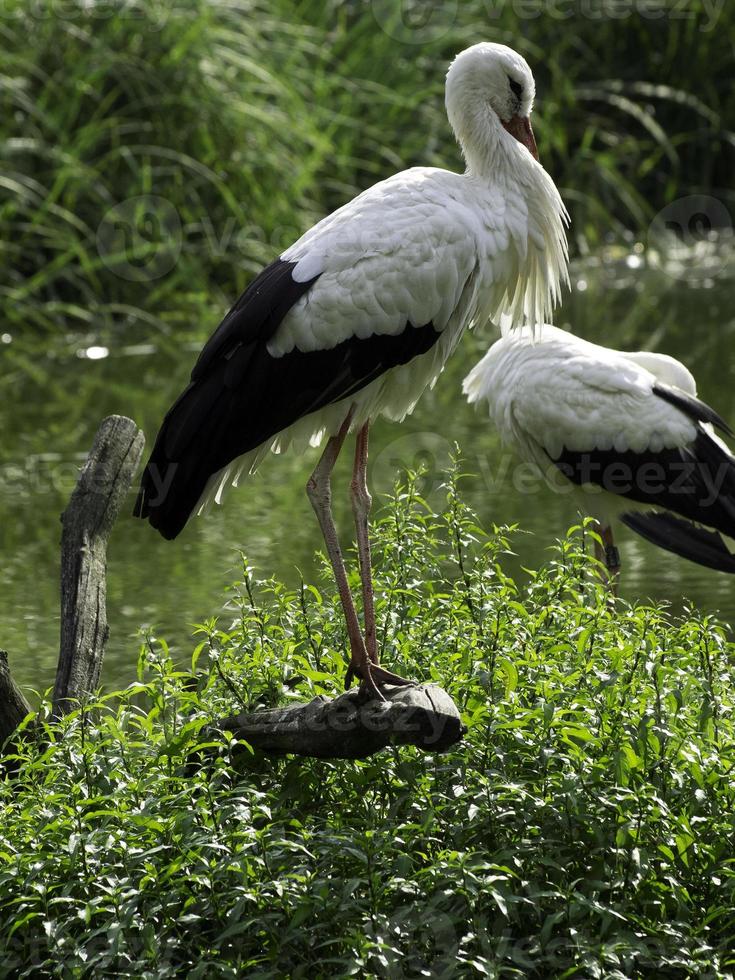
359 316
625 431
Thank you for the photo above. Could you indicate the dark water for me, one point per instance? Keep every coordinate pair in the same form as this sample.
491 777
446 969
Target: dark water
54 395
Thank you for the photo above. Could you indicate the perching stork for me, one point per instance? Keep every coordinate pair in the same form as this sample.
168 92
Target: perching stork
359 316
625 429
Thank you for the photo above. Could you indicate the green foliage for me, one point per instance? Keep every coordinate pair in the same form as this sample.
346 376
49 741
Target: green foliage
582 829
158 150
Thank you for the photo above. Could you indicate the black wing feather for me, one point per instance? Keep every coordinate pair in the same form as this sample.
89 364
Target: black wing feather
696 481
256 314
239 396
683 538
692 406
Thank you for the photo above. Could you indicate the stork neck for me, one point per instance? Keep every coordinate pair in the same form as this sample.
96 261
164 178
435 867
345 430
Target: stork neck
490 153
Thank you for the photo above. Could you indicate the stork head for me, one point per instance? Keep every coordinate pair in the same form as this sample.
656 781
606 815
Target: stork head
490 88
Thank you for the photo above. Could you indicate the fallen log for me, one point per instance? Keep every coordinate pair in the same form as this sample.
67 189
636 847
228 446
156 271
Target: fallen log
348 727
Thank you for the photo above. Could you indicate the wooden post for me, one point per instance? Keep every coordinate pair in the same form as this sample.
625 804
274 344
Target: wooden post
87 521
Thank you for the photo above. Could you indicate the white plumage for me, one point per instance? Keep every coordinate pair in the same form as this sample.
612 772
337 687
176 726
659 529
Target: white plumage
548 390
425 246
625 428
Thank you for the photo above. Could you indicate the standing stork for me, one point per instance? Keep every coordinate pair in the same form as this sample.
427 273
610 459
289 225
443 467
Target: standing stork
359 316
625 431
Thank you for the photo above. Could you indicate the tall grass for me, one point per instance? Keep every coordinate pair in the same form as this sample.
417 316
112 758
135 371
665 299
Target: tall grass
583 829
241 123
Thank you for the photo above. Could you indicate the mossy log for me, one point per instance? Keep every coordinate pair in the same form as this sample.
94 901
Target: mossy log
349 727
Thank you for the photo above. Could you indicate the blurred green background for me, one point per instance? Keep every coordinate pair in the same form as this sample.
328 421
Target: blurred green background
154 156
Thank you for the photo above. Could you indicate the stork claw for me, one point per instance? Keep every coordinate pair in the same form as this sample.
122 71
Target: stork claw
372 678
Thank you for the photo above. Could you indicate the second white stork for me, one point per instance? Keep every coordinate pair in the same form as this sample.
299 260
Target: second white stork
626 430
359 316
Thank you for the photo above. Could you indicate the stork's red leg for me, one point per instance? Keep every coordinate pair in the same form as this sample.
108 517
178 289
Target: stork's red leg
319 491
320 494
361 502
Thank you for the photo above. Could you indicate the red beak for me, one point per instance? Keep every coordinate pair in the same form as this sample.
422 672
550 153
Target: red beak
520 128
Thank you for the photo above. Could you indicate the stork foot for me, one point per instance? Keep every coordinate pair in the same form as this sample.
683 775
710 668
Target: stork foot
372 678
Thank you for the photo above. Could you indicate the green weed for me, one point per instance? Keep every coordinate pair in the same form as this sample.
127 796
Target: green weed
583 828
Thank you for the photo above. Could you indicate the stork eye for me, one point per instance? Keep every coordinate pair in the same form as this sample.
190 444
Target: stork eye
516 88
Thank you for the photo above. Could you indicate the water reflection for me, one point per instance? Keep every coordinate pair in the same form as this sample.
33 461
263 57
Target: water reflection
55 393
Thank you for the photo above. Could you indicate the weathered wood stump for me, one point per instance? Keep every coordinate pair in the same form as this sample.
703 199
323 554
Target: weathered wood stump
87 522
349 728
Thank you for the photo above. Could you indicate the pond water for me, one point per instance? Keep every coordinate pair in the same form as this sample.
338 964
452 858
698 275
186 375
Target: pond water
56 391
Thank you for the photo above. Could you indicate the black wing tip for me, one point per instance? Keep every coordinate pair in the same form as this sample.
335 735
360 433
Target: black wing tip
168 527
167 517
240 396
169 531
682 538
692 406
